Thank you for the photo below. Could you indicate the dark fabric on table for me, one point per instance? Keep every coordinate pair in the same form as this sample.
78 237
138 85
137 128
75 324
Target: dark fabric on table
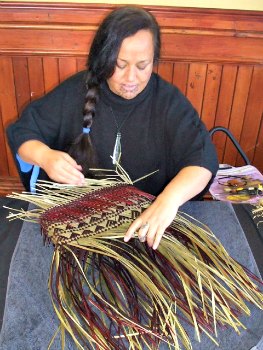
30 322
253 228
9 233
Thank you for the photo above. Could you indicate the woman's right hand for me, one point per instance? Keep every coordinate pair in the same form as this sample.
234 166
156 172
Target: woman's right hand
58 165
61 167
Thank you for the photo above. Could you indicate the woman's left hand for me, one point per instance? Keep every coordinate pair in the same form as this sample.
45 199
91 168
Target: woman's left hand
152 223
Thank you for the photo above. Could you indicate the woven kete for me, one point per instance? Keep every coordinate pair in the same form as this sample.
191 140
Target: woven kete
109 294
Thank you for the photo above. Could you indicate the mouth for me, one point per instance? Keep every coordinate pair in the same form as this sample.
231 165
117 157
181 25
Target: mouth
129 88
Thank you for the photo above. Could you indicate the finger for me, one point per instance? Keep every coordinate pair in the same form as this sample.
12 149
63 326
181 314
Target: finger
72 172
143 231
74 176
72 162
69 159
151 235
69 180
68 175
158 238
132 229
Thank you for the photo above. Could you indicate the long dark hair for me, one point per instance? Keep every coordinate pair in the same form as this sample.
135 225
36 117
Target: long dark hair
118 25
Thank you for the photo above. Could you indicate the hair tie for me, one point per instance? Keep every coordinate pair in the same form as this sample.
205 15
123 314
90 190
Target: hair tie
86 130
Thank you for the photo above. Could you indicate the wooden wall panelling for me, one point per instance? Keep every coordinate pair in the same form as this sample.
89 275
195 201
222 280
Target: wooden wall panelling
22 85
180 75
67 67
76 14
165 69
51 73
22 89
211 93
238 112
3 158
211 48
46 41
257 161
196 84
69 14
224 106
10 184
36 77
253 117
8 113
81 64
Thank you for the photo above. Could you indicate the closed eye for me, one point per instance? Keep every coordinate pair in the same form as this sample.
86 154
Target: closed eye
142 67
121 66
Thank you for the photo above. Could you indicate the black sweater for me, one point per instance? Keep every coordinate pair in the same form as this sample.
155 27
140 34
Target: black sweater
160 129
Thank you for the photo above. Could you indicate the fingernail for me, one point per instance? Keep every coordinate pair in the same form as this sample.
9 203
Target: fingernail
126 239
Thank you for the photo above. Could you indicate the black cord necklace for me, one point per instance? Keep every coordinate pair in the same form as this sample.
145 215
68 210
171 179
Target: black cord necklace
117 146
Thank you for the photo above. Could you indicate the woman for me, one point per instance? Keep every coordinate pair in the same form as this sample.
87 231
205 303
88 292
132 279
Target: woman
127 105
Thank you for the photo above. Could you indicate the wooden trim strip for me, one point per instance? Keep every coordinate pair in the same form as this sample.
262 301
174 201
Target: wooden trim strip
93 28
168 16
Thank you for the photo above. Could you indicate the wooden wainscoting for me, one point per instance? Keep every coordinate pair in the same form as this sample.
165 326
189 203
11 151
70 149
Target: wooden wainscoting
9 184
214 56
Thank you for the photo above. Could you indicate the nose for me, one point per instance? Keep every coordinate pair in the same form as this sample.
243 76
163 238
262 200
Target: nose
131 73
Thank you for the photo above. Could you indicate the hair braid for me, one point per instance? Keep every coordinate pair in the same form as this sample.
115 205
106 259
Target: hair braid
82 149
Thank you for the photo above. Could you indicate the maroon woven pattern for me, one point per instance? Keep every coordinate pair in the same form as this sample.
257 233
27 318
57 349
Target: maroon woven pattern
96 211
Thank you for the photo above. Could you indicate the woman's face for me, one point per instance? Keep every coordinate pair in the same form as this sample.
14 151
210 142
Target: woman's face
134 65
